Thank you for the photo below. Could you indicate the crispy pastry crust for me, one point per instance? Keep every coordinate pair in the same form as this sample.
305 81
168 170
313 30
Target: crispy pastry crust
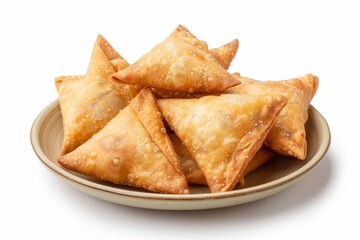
288 136
222 133
181 63
89 102
132 149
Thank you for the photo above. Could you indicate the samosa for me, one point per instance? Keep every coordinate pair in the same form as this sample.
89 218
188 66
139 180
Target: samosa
288 136
89 102
222 133
181 63
132 149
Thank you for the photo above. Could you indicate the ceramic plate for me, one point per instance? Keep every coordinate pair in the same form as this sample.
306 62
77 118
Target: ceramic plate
276 175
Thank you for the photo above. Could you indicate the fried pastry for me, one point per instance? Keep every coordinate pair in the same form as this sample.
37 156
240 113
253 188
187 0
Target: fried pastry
181 63
132 149
224 55
88 102
222 133
192 171
288 136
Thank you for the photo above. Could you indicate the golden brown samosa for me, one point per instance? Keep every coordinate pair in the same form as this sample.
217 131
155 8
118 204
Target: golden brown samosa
222 133
88 102
224 55
181 63
132 149
288 136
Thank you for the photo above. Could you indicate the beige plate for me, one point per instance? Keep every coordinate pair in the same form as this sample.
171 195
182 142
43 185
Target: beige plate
278 174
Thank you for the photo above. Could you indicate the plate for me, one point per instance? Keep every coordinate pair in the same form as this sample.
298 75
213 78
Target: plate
278 174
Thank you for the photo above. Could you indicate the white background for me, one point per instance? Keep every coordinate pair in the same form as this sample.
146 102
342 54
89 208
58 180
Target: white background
278 40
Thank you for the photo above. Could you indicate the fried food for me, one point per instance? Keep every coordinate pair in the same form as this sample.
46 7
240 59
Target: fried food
222 133
181 63
132 149
89 102
176 116
288 136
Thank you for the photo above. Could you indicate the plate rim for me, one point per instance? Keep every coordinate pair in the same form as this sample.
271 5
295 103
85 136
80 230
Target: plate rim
119 192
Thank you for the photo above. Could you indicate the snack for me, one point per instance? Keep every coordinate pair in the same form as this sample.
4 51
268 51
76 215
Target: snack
89 102
222 133
181 63
177 117
132 149
224 55
288 136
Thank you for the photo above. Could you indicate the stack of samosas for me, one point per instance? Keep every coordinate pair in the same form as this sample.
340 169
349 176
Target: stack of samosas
177 117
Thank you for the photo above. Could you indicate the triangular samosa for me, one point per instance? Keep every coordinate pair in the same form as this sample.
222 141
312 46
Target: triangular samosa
222 133
224 55
288 136
181 63
88 102
132 149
